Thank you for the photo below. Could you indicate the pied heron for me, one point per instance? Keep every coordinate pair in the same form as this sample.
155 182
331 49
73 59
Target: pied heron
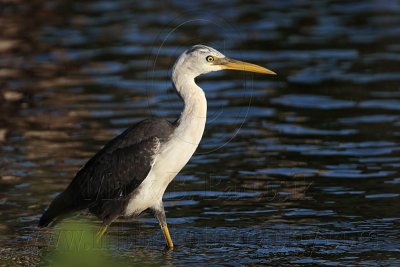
132 171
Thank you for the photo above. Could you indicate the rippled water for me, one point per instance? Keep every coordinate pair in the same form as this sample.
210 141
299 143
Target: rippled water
298 169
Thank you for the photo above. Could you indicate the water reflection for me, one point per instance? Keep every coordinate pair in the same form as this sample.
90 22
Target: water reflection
298 169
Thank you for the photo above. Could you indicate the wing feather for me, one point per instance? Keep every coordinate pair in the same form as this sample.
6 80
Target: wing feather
105 182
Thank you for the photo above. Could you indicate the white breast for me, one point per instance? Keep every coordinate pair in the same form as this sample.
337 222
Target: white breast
172 157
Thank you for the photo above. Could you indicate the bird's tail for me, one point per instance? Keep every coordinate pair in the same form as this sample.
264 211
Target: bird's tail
58 207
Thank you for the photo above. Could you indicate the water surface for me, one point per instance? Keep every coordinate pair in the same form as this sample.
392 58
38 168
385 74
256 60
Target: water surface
297 169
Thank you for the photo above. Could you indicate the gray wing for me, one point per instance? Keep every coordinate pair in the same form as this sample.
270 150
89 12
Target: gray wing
106 180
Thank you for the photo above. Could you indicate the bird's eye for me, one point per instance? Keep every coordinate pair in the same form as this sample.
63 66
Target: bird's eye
210 58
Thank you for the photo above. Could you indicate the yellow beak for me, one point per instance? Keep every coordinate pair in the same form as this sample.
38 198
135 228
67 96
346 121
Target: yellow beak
232 64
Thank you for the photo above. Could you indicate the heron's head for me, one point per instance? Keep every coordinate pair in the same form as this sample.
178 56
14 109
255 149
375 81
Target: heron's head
201 59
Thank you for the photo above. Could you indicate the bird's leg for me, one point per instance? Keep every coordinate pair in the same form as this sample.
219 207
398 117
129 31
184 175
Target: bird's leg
167 236
159 213
106 222
101 232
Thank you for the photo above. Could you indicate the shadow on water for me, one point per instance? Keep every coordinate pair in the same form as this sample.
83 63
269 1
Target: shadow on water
299 169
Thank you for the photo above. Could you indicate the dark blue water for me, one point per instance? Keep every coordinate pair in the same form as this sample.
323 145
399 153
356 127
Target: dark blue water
297 169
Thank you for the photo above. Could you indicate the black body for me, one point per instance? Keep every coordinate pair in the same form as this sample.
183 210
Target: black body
107 181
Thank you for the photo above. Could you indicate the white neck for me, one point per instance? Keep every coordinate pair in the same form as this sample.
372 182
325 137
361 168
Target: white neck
193 117
178 150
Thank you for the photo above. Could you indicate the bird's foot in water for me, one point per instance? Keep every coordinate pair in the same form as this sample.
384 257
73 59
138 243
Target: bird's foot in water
100 233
